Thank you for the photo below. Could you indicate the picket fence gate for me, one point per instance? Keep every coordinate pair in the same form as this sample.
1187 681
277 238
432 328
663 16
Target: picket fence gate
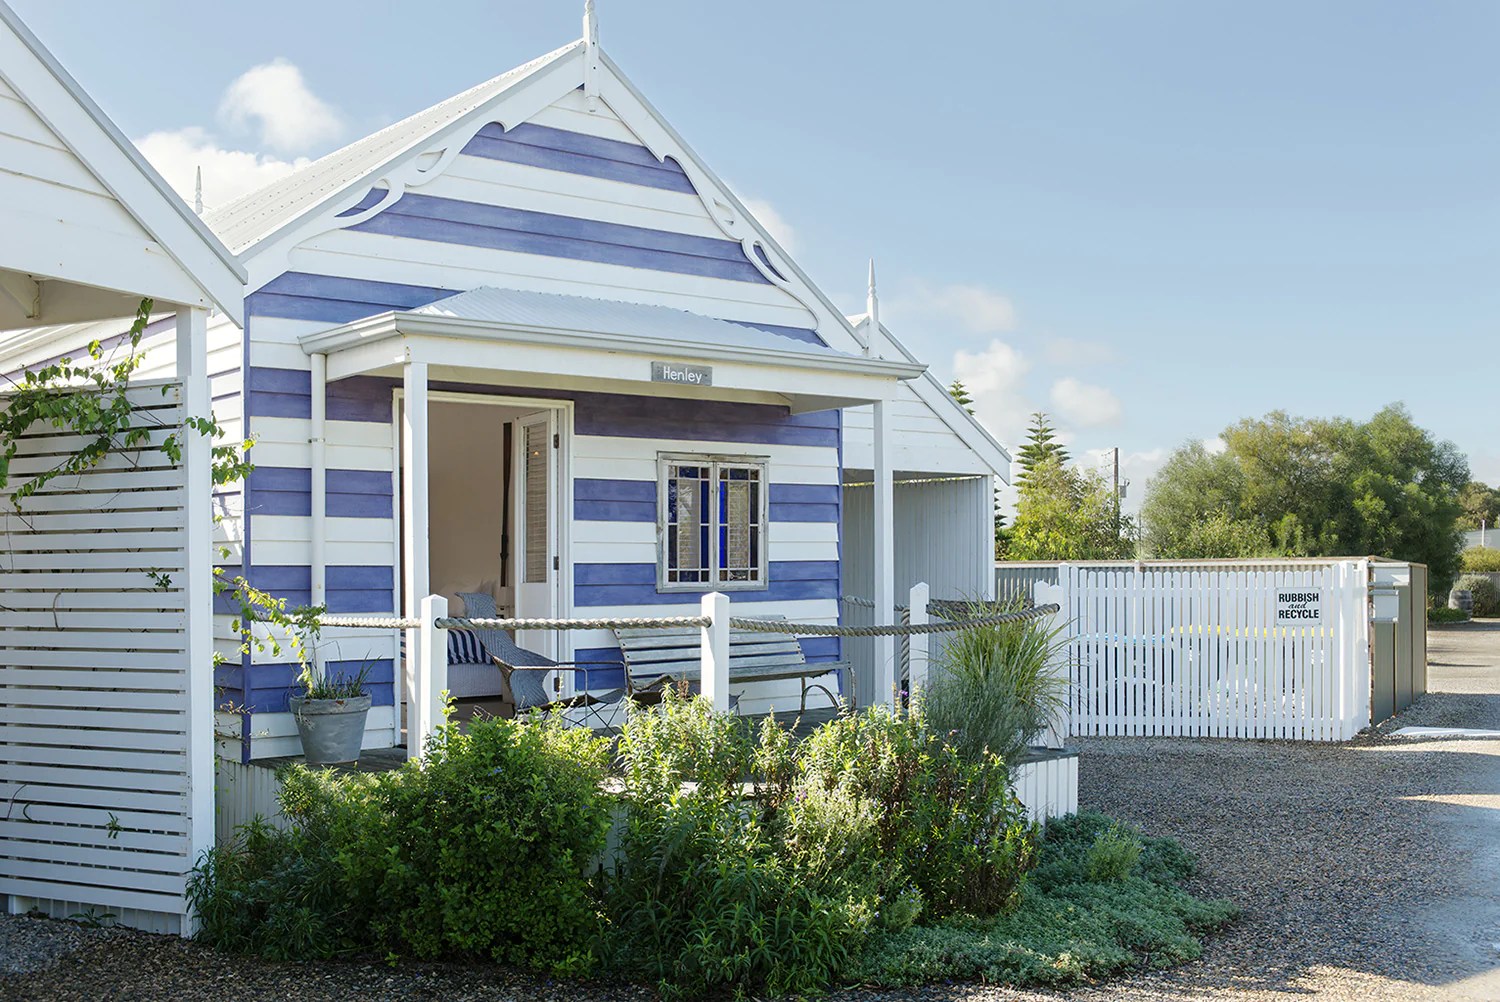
1211 651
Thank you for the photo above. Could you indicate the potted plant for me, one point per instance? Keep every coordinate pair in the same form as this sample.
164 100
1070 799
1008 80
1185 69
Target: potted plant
330 714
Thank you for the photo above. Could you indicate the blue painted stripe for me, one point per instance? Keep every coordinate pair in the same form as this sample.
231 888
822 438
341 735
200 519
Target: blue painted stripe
300 296
351 588
271 392
271 686
475 224
635 584
368 398
576 153
282 490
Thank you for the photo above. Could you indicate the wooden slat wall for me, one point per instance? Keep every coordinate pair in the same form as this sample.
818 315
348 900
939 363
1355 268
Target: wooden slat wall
1196 651
94 681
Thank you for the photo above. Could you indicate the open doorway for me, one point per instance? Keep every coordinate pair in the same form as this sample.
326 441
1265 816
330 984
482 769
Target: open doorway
497 475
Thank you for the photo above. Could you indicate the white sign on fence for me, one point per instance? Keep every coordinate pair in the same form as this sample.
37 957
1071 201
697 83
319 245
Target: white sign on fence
1297 607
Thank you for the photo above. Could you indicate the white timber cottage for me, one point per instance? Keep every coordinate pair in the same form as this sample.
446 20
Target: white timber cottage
106 645
527 343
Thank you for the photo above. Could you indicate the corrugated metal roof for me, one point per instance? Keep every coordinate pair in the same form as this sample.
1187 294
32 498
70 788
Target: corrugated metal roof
581 314
260 213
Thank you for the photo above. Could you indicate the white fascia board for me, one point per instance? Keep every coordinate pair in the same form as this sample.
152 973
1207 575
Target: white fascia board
515 103
616 76
390 338
58 100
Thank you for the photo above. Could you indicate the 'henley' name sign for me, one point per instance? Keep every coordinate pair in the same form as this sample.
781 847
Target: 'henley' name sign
687 375
1298 607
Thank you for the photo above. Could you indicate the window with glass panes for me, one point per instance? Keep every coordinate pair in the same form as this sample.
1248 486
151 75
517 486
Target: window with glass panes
712 523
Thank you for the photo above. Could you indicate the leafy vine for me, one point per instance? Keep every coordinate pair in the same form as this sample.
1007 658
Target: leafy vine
88 398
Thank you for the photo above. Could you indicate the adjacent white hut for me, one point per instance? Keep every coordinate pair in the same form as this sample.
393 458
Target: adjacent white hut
106 745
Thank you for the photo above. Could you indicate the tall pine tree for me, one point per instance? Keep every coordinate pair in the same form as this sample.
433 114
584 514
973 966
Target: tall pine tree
960 393
1041 444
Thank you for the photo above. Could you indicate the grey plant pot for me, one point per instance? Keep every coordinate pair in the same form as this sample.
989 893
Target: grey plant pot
332 729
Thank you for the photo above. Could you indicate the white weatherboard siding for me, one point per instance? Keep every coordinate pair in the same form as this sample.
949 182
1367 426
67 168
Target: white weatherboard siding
97 684
924 442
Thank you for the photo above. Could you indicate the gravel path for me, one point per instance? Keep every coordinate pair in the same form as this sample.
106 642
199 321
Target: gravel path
1367 872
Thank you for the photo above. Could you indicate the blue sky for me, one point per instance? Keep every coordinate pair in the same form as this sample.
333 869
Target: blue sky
1148 218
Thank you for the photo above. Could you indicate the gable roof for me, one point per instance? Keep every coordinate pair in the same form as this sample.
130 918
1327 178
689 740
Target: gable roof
36 77
936 396
252 217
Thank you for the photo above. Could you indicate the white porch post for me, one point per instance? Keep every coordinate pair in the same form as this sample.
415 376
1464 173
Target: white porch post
197 583
713 673
884 538
317 441
415 528
432 676
1061 724
919 644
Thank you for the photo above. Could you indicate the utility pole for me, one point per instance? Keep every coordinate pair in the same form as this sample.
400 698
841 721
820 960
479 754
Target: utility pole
1117 492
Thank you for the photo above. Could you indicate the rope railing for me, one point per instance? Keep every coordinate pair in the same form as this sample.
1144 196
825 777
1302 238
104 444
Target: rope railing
689 622
894 630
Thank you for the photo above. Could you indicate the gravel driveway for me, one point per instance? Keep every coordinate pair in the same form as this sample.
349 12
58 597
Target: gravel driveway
1367 872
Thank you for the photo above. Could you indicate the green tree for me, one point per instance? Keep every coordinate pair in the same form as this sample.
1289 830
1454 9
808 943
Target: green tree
1067 514
1480 502
1041 444
1321 487
959 392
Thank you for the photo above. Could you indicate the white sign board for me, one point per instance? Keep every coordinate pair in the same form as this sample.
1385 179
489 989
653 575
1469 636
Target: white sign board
1294 607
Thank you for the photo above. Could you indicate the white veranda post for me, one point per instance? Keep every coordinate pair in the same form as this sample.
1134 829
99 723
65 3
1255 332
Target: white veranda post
918 644
197 584
415 528
713 672
884 537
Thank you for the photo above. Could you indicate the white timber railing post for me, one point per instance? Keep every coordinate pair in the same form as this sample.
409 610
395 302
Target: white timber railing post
884 537
918 644
426 710
714 672
415 512
1055 594
197 585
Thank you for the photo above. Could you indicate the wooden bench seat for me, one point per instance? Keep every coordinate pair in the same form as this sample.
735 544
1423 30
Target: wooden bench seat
654 658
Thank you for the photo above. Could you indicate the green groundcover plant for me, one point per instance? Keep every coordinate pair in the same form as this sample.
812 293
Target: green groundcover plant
871 851
1070 926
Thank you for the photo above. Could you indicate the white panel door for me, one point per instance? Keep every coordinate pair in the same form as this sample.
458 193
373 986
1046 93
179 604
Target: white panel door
536 527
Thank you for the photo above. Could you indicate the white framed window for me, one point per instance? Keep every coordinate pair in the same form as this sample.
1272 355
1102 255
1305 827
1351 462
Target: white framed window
711 522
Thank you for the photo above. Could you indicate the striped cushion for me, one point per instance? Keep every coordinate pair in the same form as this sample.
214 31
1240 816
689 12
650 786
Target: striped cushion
464 648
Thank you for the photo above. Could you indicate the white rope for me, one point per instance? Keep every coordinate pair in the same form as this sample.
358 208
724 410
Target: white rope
823 630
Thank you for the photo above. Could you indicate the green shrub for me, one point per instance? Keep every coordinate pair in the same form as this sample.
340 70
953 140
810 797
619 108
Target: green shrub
1486 595
1113 856
703 894
751 863
270 892
1480 559
1442 614
952 823
483 849
993 688
1067 928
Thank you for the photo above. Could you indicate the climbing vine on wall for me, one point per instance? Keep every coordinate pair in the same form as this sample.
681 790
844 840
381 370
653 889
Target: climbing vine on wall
87 397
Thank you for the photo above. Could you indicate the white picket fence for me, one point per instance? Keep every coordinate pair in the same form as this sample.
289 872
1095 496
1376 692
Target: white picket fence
105 750
1250 650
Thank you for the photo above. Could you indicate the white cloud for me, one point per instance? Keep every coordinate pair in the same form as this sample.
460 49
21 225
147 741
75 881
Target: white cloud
773 222
274 99
227 174
995 378
1085 405
1215 446
931 308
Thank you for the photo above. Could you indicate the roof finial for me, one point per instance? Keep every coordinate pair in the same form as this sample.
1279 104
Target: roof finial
590 23
590 56
872 307
198 192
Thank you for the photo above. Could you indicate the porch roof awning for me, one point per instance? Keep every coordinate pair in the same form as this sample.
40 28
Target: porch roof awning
506 336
